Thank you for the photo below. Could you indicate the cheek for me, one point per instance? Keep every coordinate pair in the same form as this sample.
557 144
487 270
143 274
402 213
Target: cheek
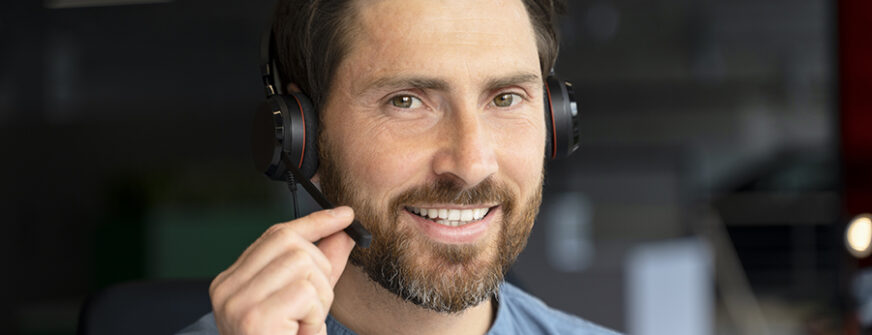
381 163
521 154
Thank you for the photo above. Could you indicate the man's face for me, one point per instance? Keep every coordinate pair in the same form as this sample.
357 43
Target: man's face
434 133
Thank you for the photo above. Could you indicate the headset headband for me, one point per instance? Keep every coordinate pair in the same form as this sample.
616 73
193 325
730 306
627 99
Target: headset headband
268 70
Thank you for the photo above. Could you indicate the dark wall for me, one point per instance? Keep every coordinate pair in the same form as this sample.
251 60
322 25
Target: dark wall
107 113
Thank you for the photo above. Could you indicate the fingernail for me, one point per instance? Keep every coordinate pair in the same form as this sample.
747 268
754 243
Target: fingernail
340 211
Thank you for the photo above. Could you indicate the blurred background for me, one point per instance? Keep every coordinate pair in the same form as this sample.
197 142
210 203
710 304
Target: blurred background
725 148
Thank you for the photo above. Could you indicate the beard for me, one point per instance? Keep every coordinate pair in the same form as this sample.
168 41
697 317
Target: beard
442 277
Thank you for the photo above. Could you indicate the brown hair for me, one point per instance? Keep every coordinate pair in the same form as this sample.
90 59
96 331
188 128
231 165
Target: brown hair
313 36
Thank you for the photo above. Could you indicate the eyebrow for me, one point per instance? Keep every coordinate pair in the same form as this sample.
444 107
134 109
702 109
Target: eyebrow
422 83
438 84
518 79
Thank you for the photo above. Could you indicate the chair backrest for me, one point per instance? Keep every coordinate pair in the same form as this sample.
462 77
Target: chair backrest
146 307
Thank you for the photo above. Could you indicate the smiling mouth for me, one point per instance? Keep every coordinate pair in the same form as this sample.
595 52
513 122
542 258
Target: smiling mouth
451 217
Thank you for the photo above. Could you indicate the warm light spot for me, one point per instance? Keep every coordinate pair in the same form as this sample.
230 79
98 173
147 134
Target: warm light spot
858 236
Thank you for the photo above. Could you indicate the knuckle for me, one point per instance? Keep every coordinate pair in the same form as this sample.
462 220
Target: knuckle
303 258
272 229
321 311
213 286
215 295
287 264
217 292
289 236
234 308
307 289
249 321
282 231
293 327
295 260
219 279
328 297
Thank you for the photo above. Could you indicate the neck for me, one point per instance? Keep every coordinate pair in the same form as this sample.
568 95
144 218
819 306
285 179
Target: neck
366 308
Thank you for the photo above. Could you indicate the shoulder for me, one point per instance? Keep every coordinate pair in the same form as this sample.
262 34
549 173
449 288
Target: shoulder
204 326
521 313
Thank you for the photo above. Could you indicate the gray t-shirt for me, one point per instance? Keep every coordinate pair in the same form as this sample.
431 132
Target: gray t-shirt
517 313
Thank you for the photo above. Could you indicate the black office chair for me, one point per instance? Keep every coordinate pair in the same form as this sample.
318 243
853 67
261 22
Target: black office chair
146 307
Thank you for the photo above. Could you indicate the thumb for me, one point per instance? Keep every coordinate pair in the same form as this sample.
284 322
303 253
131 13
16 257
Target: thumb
336 247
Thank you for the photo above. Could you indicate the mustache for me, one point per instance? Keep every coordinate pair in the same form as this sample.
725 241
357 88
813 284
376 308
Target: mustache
446 191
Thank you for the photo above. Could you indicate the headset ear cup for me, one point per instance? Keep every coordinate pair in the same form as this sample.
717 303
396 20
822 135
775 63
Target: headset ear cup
285 123
301 132
562 117
309 164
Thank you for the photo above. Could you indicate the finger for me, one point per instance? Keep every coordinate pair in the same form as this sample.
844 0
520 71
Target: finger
311 228
312 327
283 242
276 240
318 225
336 248
323 289
298 304
288 268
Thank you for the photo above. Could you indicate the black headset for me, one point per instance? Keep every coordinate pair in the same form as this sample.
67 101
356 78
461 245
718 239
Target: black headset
285 130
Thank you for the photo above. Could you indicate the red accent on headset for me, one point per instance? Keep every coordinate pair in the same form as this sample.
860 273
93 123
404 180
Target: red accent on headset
553 130
303 116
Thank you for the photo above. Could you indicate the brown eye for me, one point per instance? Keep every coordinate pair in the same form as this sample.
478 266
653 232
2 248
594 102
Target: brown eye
506 100
405 101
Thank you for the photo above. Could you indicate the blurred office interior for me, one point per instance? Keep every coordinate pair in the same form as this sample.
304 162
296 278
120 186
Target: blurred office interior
724 150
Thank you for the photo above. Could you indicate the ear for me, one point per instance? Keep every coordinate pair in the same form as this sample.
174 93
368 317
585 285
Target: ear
292 88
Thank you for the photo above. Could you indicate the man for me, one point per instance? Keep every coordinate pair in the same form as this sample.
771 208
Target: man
432 130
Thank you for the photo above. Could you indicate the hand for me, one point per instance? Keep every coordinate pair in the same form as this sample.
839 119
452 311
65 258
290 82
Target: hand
283 283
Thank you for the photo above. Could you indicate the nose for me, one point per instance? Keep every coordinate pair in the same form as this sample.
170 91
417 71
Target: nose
467 153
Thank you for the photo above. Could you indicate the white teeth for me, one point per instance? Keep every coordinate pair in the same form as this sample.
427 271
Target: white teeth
466 215
451 217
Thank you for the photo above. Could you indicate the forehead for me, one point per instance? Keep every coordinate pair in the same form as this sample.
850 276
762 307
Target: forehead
457 39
